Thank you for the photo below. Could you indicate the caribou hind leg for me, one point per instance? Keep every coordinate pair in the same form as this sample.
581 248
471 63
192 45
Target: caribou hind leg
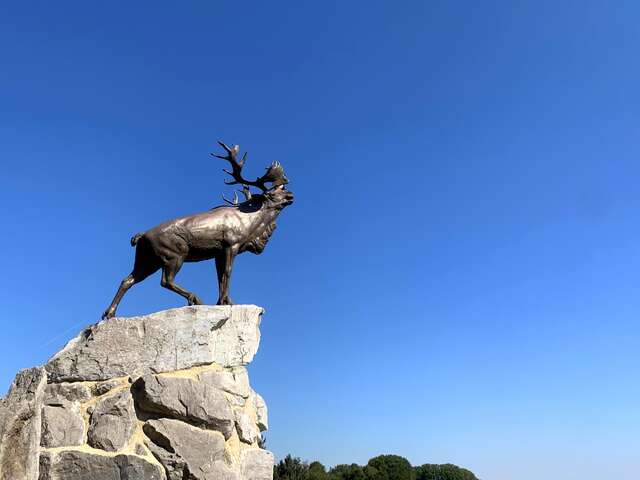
125 285
169 271
146 263
129 281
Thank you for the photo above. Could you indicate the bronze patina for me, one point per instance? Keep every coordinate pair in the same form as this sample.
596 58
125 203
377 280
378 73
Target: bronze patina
220 233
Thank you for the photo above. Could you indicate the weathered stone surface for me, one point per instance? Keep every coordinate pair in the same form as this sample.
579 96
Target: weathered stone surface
261 411
5 418
61 426
186 451
45 467
174 467
256 464
112 422
105 387
66 393
247 430
62 423
236 400
20 429
235 382
160 342
185 399
28 386
75 465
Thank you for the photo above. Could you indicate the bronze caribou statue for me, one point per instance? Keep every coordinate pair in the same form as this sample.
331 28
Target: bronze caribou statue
220 233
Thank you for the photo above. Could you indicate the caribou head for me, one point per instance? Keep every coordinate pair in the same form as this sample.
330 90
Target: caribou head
275 196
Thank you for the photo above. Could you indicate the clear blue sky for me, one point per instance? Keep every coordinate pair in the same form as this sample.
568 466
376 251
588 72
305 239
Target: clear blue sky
459 278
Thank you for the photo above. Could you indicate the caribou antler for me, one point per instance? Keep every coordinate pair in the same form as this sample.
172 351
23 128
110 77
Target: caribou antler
235 199
235 202
275 172
246 192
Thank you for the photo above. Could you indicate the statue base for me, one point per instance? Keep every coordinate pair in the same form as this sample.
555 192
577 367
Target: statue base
164 396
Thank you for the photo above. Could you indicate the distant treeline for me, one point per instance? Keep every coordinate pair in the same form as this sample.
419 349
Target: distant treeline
383 467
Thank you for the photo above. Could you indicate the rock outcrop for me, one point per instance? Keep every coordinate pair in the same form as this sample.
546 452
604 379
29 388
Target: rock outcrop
164 396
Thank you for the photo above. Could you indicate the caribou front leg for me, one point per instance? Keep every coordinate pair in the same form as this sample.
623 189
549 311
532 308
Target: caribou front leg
169 271
224 265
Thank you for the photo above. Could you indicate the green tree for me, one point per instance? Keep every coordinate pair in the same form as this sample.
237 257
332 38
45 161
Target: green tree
316 471
290 468
443 472
390 467
383 467
347 472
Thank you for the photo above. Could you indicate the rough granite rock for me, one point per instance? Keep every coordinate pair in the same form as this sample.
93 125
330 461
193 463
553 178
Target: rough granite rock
257 464
173 465
190 415
20 429
75 465
112 423
261 411
185 399
62 426
186 451
170 340
45 467
105 387
5 415
62 422
247 430
60 394
235 382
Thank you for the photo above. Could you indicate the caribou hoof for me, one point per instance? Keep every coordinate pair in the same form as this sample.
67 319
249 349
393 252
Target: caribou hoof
194 300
